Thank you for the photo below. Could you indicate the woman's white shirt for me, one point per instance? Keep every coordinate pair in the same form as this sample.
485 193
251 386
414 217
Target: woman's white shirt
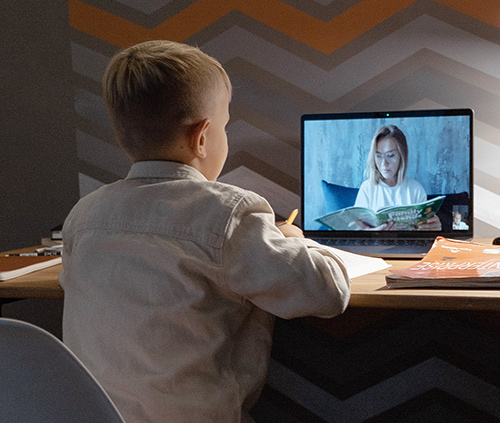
377 196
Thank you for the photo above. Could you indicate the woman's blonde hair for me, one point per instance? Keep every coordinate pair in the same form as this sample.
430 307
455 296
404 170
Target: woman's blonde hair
393 132
153 89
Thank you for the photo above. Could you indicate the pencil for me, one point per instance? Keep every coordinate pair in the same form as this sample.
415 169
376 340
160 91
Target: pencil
292 217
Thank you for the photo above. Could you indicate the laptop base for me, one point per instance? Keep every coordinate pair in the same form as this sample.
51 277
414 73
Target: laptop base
389 249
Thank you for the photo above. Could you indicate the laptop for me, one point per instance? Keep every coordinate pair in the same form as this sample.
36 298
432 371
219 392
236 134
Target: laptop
335 151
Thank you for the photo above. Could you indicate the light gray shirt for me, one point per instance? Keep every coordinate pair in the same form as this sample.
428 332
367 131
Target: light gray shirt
171 286
381 195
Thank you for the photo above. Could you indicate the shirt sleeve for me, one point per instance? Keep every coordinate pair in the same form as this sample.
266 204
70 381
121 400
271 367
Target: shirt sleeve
288 277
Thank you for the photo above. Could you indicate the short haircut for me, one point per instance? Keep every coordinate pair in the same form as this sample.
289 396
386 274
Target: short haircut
155 88
388 131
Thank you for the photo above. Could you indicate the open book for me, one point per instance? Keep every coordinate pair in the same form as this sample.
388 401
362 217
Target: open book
404 217
453 264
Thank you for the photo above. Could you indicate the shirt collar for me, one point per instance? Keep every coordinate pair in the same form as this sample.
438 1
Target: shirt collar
164 169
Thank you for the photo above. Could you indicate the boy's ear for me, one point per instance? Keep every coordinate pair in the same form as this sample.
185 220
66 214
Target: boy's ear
198 138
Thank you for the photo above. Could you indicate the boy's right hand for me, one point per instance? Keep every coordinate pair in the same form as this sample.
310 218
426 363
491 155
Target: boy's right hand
290 230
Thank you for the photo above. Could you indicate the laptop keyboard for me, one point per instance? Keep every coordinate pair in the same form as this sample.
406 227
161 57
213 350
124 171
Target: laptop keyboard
396 242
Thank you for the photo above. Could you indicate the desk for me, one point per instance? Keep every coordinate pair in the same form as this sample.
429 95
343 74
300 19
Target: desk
404 342
42 284
368 291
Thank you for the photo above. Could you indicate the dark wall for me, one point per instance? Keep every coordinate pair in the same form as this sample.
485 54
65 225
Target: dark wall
39 181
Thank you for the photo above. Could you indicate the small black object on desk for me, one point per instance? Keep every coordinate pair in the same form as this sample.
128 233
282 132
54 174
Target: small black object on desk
496 241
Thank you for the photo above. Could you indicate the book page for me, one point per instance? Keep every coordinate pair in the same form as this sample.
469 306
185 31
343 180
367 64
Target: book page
345 219
359 265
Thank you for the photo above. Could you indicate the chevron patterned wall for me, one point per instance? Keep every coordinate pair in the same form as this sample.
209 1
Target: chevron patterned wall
291 57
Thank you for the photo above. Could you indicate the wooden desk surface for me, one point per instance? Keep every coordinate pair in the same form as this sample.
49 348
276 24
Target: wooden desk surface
371 291
42 284
367 291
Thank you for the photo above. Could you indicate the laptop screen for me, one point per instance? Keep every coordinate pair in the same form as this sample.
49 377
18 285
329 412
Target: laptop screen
378 160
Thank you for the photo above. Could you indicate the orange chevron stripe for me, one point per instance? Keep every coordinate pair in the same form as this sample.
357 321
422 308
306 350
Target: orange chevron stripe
322 36
487 11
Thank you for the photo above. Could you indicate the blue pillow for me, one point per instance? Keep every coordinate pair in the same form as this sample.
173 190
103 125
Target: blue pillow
337 196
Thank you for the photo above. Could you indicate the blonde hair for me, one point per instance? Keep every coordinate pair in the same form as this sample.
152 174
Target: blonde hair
393 132
153 89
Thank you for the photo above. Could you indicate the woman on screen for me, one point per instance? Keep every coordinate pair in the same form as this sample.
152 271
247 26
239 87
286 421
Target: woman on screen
386 184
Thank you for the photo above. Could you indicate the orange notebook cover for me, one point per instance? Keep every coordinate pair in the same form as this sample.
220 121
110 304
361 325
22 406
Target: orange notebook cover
14 266
452 263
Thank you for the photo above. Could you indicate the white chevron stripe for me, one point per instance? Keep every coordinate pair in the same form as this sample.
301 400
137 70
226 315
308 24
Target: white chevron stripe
430 374
281 200
486 206
423 32
486 157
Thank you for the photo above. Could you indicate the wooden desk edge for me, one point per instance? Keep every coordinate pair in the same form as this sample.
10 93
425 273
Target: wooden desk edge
425 302
368 291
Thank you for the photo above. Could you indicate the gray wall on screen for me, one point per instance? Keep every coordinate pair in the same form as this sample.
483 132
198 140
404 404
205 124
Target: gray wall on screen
438 153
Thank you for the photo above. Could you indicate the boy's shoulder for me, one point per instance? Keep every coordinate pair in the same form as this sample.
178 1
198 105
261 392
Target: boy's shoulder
176 207
230 196
221 192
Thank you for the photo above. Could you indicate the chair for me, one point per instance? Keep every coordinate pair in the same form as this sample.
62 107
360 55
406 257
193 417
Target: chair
42 381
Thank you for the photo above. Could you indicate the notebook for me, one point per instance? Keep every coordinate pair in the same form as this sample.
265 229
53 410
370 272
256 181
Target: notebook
338 173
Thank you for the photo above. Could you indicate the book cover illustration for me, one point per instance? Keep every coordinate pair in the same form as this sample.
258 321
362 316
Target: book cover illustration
452 263
404 217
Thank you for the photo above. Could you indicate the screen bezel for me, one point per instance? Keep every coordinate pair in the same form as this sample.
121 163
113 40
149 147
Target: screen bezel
463 234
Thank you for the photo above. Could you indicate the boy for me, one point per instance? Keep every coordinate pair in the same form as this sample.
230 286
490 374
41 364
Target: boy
171 279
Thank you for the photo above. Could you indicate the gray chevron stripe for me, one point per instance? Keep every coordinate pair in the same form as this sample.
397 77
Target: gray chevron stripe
414 64
330 85
147 13
102 154
245 137
88 62
281 200
149 7
91 107
289 182
485 230
486 205
487 180
422 84
487 132
264 123
374 36
262 100
87 184
412 382
323 9
440 88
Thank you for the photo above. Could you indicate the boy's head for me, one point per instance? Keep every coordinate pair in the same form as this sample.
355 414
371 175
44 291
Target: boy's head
155 90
